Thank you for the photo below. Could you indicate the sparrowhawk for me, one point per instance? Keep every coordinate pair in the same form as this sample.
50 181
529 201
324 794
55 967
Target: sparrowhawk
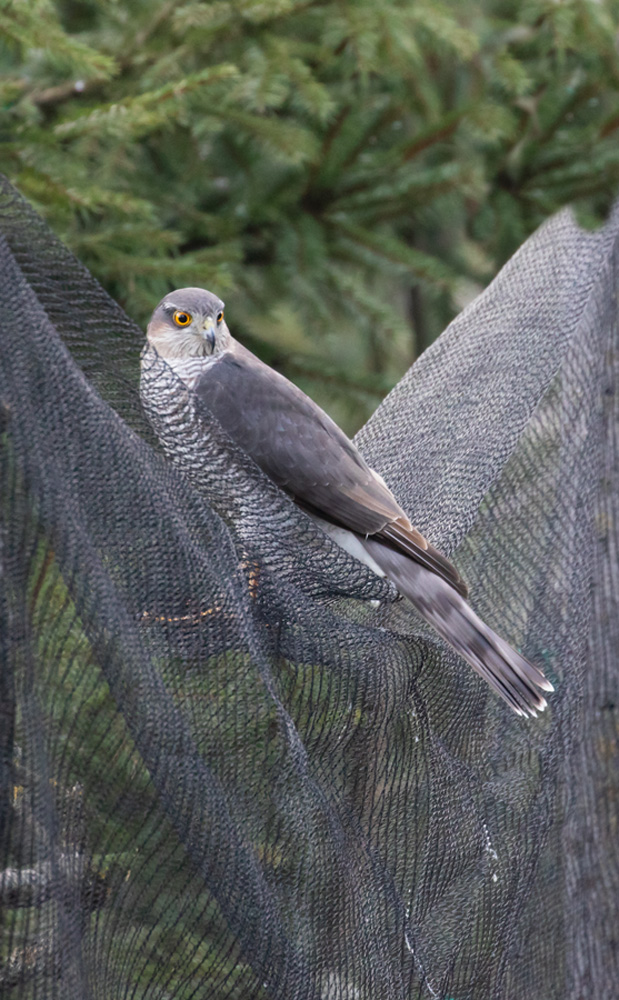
310 458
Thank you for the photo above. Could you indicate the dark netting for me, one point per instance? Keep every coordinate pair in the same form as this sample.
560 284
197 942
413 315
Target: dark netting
224 771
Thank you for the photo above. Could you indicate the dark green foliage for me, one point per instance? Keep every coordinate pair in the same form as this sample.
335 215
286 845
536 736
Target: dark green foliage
345 175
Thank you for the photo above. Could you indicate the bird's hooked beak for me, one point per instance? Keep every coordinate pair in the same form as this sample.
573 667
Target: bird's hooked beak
208 332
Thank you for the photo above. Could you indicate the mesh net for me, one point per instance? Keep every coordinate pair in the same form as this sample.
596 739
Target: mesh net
224 771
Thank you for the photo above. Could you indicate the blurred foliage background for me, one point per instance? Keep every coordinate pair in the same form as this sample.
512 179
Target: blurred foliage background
346 175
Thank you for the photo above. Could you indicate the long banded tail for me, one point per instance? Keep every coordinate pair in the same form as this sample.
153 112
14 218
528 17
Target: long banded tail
505 670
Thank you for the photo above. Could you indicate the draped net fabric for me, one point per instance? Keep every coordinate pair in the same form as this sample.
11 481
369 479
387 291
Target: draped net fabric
225 770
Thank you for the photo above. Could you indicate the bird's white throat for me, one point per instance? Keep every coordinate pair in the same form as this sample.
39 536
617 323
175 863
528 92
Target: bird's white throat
190 369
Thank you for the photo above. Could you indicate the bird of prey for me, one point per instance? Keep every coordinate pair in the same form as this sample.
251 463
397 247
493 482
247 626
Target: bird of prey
310 458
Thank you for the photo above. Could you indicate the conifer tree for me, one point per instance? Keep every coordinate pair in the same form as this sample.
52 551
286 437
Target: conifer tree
345 175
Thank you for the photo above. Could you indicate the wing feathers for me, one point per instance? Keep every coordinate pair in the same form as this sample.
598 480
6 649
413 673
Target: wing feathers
302 450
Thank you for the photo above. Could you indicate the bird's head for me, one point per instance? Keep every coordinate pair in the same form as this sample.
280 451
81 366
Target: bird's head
188 323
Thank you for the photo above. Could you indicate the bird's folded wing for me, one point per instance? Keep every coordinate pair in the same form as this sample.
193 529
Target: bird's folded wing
302 450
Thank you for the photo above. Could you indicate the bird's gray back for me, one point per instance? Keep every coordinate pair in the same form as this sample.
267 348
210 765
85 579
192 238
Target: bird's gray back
294 442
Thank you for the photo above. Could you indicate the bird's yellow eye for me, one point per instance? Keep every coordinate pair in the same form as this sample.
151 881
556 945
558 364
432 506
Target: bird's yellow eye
220 316
182 318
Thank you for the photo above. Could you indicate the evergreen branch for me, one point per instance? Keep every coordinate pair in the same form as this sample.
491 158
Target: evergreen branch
609 126
212 16
416 262
371 193
185 267
64 91
88 197
79 88
434 133
143 36
146 111
36 25
376 386
327 144
295 141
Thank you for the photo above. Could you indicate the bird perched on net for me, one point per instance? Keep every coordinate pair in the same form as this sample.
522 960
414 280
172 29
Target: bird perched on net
309 457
